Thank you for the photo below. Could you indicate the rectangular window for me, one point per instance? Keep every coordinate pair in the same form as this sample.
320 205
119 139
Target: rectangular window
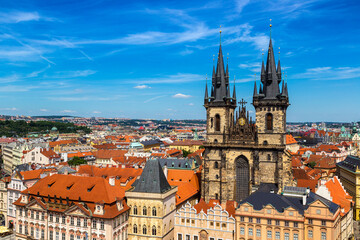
37 215
32 214
179 236
323 236
72 221
187 237
51 235
102 225
310 221
286 223
94 224
323 222
258 220
196 238
296 236
85 222
26 230
242 219
32 231
57 236
43 216
295 224
51 217
37 233
242 231
78 222
250 231
286 236
57 218
42 234
20 228
250 219
269 221
71 237
63 219
258 232
269 234
277 222
63 236
310 234
277 235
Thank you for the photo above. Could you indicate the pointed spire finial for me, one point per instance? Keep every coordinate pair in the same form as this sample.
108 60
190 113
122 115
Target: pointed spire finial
270 27
220 34
279 53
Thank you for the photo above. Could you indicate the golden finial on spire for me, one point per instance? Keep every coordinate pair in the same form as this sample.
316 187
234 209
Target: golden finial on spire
279 53
270 27
262 53
220 34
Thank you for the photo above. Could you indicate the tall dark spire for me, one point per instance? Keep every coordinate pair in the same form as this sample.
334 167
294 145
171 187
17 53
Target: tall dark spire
220 79
255 89
278 69
206 99
234 92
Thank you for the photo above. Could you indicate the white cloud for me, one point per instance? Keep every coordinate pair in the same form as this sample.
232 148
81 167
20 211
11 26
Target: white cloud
142 86
154 98
240 4
9 79
13 88
191 104
68 111
180 95
16 17
329 73
175 78
9 109
43 110
96 112
69 99
73 74
186 52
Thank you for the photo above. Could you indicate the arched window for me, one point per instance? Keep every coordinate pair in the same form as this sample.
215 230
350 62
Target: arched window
217 176
216 165
216 196
135 228
153 231
154 211
212 122
217 122
144 211
269 121
135 210
144 230
269 157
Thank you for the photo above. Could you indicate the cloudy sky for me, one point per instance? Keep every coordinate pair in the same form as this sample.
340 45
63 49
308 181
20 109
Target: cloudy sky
149 59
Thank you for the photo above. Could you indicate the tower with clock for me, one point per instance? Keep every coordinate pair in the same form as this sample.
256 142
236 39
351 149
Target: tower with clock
242 155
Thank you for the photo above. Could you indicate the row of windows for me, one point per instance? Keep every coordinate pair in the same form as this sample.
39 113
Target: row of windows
217 224
269 234
144 211
144 230
40 234
270 222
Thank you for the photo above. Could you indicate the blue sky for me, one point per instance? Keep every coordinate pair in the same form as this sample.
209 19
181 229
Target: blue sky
149 59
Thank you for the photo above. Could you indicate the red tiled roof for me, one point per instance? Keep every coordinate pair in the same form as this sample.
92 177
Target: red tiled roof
339 195
109 153
63 142
311 183
290 139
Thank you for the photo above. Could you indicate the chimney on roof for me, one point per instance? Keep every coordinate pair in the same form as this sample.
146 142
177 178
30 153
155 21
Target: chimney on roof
304 199
165 169
112 181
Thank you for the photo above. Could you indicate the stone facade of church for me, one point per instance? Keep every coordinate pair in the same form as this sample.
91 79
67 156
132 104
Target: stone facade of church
240 154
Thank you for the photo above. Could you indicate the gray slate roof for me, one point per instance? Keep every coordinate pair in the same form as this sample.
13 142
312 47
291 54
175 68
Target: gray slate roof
152 179
280 202
151 142
178 163
350 163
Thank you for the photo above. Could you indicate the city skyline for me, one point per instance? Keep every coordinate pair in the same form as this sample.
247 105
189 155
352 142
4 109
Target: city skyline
150 60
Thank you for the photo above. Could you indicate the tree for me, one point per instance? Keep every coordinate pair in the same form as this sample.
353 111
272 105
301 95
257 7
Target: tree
185 153
76 161
311 164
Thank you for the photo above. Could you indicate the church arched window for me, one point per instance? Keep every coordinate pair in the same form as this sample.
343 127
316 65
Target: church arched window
217 122
269 157
135 228
212 122
144 211
144 230
153 231
269 121
135 210
154 211
216 165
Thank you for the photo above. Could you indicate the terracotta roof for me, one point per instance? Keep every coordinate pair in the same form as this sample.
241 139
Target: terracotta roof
187 143
327 148
105 146
80 154
290 139
34 174
339 194
88 189
311 183
49 153
125 177
109 153
296 162
202 205
63 142
187 182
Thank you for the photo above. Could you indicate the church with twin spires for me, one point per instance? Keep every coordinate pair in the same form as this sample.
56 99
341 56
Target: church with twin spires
241 155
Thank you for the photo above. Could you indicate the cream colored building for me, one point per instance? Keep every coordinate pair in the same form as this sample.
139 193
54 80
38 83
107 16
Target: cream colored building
295 214
203 222
12 155
3 203
153 206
